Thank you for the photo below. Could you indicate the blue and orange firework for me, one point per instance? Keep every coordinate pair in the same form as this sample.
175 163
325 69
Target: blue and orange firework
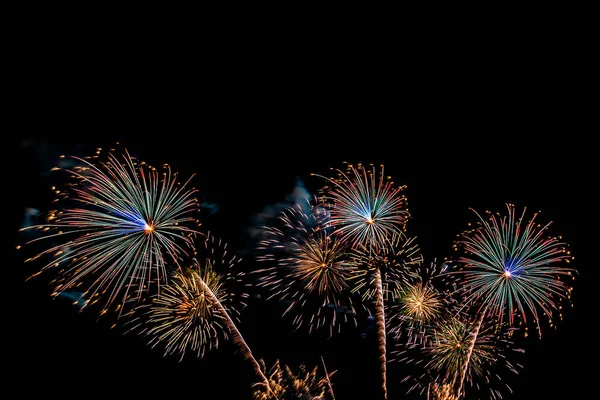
118 225
366 206
511 268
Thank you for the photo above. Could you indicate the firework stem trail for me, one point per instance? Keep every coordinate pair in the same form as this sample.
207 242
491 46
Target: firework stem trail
463 371
328 381
237 336
380 320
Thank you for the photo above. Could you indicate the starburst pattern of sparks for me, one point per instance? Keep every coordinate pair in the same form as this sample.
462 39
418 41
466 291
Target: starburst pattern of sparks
510 267
309 268
193 312
366 206
186 317
197 309
119 223
418 304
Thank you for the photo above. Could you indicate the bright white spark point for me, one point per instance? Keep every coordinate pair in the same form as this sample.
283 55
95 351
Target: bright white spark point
507 274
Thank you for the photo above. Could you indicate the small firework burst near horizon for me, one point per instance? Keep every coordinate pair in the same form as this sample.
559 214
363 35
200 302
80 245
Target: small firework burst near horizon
511 268
307 268
288 384
117 226
366 205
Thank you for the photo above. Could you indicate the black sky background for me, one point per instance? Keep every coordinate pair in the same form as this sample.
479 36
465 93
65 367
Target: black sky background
459 138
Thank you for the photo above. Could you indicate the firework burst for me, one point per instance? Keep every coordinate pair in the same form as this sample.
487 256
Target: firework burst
192 313
510 267
459 352
197 308
186 316
287 384
415 308
366 206
462 351
118 224
418 304
310 268
452 343
421 304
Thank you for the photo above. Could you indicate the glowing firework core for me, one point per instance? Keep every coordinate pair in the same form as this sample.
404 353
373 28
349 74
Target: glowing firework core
148 228
507 274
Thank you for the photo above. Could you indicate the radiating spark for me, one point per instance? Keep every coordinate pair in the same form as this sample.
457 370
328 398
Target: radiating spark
308 268
511 268
119 224
366 206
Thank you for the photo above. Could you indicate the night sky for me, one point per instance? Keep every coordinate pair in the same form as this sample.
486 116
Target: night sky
248 149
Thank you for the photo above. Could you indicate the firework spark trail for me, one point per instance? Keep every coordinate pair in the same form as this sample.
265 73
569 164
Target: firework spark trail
328 380
463 371
128 221
365 207
237 336
381 272
196 308
458 347
397 258
381 337
183 316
